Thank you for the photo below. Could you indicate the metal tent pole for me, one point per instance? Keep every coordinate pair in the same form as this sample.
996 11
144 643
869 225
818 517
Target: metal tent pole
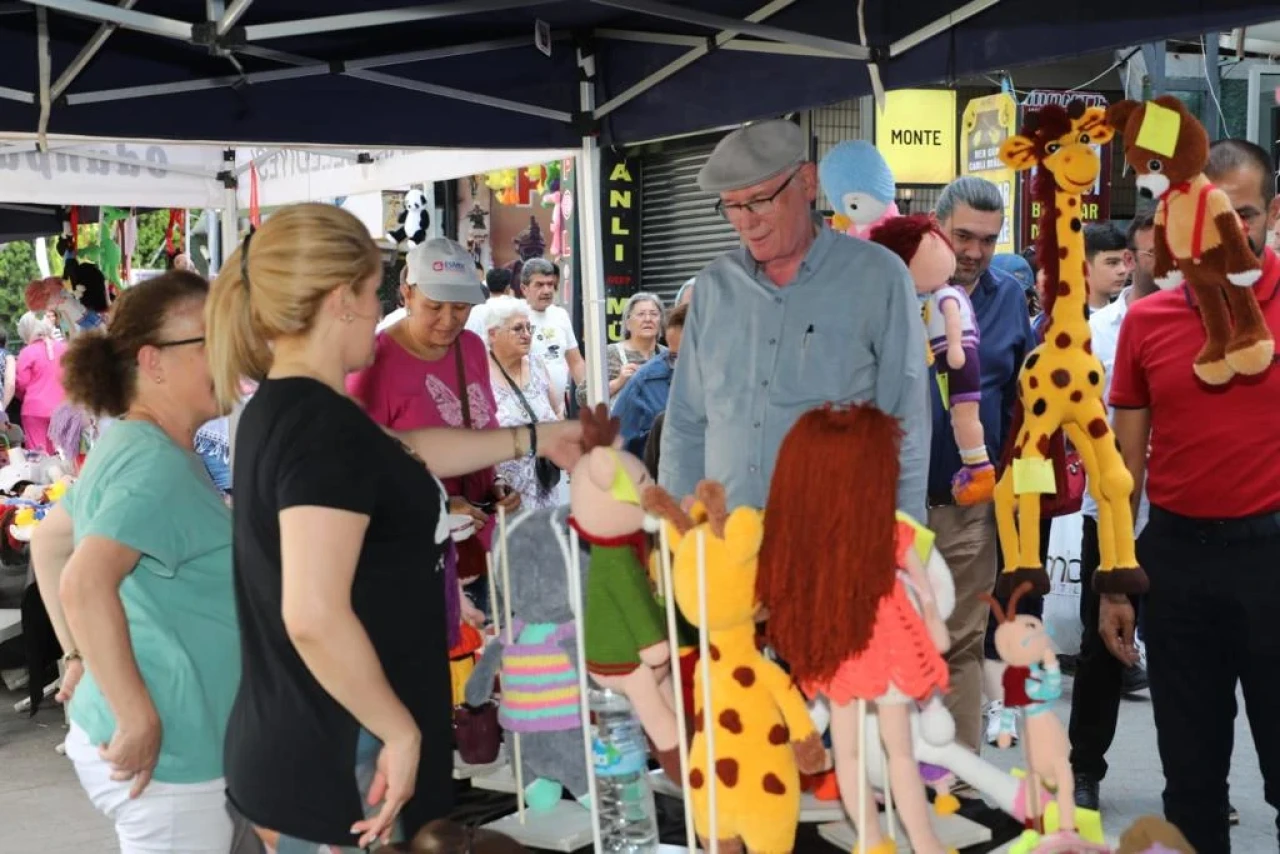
588 208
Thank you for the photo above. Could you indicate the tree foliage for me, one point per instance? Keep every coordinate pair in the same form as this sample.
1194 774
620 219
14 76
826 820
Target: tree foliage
18 268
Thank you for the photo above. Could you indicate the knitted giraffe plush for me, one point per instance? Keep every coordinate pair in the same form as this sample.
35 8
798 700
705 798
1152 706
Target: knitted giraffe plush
763 735
1061 382
1198 237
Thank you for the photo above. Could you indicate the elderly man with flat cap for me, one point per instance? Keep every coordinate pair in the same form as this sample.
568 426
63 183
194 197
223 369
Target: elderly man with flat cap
797 317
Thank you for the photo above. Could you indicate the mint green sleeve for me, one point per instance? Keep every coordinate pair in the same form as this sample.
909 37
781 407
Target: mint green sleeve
133 512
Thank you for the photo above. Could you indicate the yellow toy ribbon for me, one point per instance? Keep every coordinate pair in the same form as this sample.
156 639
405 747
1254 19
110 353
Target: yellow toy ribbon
1033 476
623 488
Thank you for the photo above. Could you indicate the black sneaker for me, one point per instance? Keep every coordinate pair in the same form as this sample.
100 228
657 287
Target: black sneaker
1233 816
1086 792
1134 680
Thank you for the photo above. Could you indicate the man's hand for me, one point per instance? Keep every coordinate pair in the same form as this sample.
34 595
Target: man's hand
1116 623
628 370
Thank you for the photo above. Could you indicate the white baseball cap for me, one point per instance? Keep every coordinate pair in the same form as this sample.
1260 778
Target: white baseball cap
445 272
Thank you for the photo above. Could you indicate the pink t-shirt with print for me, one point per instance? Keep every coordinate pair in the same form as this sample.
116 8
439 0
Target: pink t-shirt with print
402 392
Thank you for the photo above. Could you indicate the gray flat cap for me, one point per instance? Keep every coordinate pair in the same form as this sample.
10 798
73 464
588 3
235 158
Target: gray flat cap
753 154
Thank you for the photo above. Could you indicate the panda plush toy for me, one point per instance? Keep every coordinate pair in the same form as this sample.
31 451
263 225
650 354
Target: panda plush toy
414 219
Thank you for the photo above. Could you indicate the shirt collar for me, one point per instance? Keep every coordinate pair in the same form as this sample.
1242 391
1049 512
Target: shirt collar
1265 289
1114 312
817 251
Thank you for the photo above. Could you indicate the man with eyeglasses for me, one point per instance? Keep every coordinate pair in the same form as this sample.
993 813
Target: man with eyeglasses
1211 545
1101 678
798 317
970 212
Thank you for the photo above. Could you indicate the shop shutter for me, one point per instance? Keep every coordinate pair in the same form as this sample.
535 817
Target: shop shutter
680 231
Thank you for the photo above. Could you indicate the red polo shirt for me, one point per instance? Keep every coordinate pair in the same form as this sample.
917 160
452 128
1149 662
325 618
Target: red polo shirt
1215 451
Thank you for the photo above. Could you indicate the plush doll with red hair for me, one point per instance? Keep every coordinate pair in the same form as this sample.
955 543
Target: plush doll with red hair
840 610
953 344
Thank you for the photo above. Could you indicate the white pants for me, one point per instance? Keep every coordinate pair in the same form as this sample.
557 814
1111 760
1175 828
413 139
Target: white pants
168 818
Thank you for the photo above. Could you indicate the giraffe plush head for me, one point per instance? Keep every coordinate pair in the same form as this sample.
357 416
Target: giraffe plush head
1164 143
731 544
1061 141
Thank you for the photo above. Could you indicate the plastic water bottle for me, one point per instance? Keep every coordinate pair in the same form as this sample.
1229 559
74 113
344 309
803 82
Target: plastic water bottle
628 818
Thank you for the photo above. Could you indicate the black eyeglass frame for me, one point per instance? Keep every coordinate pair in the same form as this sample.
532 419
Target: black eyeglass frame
723 210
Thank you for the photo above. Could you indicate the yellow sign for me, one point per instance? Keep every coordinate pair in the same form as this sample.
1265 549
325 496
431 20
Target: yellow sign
916 135
988 122
1159 131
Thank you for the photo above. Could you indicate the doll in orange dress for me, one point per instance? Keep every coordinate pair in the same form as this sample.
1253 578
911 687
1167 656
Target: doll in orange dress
836 568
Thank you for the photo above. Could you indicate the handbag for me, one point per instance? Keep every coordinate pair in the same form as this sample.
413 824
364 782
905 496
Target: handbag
471 552
476 733
1068 474
547 472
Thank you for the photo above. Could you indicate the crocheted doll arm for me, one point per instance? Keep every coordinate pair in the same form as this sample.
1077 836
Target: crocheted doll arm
480 683
635 602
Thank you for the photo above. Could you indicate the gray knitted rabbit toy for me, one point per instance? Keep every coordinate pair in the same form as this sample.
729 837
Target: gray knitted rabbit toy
539 671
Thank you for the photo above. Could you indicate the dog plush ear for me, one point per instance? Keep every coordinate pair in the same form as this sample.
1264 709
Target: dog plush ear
1118 114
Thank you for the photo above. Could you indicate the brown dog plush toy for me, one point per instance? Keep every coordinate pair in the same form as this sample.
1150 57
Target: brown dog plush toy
1199 239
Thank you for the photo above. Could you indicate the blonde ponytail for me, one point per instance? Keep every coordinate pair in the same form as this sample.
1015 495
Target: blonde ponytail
273 284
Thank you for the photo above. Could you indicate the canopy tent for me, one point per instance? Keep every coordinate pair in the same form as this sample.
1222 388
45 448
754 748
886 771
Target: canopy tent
466 73
511 73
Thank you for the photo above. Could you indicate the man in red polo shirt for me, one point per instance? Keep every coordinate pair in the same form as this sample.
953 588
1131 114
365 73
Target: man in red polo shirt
1212 546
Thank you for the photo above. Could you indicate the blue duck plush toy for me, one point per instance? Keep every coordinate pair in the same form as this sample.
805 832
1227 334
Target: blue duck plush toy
859 185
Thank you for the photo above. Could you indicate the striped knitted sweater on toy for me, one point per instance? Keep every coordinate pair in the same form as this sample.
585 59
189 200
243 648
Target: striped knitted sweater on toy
539 682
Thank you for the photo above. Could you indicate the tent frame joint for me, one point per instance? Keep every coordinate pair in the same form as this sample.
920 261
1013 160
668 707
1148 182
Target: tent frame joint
228 179
585 124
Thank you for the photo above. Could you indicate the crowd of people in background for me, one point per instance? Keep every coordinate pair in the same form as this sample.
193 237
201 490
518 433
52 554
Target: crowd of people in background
371 443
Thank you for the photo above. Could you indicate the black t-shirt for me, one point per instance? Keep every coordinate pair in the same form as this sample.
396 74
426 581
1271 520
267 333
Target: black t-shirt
291 748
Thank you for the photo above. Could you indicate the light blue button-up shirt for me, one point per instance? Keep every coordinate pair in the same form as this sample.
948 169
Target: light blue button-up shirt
755 357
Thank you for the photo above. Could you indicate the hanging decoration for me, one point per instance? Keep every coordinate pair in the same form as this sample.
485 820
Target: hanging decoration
255 212
175 233
106 253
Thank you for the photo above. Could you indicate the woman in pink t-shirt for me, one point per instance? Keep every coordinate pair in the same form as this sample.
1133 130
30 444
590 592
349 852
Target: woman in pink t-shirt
39 380
416 378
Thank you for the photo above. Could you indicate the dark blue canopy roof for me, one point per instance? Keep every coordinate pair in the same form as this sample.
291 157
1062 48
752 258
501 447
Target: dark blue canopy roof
265 83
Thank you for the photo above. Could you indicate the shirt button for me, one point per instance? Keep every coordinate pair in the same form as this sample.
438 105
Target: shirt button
778 300
773 341
755 468
765 383
756 425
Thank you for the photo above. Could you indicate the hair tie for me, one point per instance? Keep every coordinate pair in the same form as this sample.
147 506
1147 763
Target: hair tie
244 259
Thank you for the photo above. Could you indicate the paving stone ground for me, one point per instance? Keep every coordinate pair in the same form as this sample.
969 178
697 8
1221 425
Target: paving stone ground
43 811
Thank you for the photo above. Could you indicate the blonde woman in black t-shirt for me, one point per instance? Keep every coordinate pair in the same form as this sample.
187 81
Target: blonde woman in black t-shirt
339 533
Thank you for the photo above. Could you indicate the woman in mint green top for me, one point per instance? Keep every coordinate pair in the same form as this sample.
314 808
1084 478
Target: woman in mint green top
134 567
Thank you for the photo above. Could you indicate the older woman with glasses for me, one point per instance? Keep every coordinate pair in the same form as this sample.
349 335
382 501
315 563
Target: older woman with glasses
523 390
642 326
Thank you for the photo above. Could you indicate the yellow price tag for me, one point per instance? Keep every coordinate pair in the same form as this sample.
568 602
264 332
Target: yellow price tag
1159 130
1033 476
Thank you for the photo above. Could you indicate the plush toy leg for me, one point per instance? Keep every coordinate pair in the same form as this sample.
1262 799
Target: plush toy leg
1251 347
904 778
543 794
1007 522
847 742
656 717
973 484
1210 363
1115 512
1027 566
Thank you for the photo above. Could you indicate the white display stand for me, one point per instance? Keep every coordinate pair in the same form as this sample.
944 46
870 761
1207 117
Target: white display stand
565 827
501 778
463 771
955 832
812 810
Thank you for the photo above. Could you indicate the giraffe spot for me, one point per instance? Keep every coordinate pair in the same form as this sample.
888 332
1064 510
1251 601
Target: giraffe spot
1084 272
744 676
731 721
1077 396
779 734
1064 289
1057 213
1088 347
699 721
1071 202
1098 428
1017 453
1034 382
1063 341
1094 378
715 652
727 771
1061 377
1063 252
1117 441
1038 408
1031 360
1076 225
774 786
1042 446
695 778
1026 437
